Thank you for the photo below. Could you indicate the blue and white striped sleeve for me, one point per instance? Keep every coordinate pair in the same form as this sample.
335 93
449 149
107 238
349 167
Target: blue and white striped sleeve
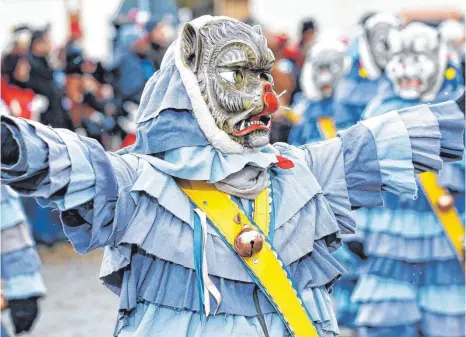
404 142
75 175
384 153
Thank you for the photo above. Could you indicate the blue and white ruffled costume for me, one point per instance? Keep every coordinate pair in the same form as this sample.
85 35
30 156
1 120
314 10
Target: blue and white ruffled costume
20 263
131 205
413 281
307 131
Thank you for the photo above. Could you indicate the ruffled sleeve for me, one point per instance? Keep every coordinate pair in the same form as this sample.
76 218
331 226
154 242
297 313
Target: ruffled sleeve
104 220
74 174
54 165
326 162
396 145
20 263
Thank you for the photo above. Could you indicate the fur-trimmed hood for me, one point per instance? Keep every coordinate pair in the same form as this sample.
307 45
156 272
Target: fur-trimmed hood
175 125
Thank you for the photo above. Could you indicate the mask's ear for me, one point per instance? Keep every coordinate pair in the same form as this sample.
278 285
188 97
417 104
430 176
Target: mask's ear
258 29
190 47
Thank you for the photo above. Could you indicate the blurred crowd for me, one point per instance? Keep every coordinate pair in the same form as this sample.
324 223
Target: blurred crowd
63 88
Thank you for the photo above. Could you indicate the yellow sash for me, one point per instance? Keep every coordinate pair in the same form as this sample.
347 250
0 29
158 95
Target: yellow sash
449 218
265 267
293 118
327 127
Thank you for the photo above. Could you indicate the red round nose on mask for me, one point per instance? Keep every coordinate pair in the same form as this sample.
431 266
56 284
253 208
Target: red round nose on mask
270 99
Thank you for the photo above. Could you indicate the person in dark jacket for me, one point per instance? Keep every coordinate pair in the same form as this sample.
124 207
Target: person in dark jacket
16 54
41 80
158 42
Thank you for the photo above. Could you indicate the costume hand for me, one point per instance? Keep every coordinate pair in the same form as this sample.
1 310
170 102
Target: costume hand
10 148
460 102
23 313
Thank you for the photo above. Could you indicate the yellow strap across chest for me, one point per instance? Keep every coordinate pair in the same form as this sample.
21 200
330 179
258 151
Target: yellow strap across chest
265 267
262 210
327 127
450 219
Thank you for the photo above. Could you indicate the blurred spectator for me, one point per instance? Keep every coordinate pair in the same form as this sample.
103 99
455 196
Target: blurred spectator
91 102
41 80
131 60
20 40
308 35
15 71
158 42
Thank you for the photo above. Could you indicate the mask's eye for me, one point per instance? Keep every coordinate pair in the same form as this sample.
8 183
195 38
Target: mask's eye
266 77
235 76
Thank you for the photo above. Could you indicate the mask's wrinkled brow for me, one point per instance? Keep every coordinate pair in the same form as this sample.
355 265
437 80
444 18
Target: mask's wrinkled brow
237 57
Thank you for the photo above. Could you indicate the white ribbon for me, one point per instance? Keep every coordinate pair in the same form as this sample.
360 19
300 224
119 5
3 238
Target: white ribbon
209 286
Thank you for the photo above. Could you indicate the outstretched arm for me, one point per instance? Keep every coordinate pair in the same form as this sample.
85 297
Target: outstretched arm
71 173
385 152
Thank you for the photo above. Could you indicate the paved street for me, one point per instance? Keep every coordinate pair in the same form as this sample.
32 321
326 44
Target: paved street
77 304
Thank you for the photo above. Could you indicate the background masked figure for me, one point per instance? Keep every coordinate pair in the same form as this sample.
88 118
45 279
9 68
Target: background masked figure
321 72
414 285
205 118
22 285
369 53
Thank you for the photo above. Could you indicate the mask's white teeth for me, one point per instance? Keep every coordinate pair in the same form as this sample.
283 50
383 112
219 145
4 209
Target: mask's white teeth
243 124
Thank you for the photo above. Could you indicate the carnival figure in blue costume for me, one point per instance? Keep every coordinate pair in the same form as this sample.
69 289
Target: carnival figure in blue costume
22 284
322 70
369 53
208 229
414 283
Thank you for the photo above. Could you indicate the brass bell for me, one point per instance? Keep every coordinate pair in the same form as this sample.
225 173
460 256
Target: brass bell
445 202
248 242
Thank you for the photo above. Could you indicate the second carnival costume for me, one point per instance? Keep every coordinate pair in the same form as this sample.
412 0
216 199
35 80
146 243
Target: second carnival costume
369 53
209 230
322 70
414 282
22 284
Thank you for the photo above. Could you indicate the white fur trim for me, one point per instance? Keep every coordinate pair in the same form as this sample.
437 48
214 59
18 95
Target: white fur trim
442 60
218 138
309 88
383 17
367 60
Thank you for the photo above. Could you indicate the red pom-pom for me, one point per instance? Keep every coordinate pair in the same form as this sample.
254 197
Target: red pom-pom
271 102
284 163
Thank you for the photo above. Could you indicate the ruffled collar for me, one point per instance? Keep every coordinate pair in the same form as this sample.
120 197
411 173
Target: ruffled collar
208 164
